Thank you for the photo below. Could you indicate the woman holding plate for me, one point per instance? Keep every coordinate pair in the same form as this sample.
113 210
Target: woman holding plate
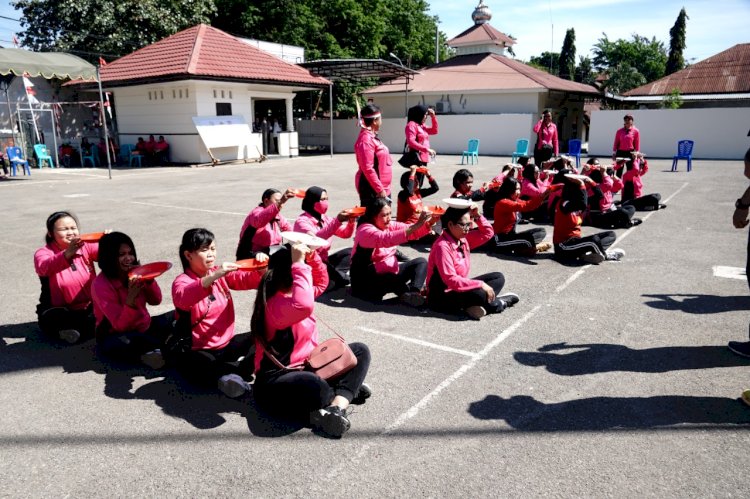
264 224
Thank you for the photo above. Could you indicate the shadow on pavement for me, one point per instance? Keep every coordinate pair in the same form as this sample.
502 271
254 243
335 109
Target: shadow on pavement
602 357
699 304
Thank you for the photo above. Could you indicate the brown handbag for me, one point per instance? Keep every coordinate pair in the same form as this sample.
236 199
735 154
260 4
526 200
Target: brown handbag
330 360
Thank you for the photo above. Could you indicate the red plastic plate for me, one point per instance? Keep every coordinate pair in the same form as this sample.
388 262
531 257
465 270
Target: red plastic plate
357 211
150 270
91 237
251 264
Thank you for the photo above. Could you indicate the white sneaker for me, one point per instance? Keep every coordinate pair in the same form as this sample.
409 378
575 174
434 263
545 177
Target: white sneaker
69 335
595 258
153 359
233 386
615 255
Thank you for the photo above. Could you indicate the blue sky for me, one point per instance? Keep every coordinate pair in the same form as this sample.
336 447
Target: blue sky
714 25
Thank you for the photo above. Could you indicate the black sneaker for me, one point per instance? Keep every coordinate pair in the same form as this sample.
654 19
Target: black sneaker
330 421
364 393
509 299
401 257
741 348
635 221
662 206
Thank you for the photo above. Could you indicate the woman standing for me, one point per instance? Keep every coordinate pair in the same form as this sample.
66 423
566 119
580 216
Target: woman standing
627 139
546 139
373 178
418 135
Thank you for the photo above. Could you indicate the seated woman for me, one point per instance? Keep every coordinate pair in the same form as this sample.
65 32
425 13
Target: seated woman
161 151
283 321
314 220
602 213
205 316
124 328
450 290
567 239
264 224
463 181
507 214
375 270
65 266
632 193
491 195
410 199
534 184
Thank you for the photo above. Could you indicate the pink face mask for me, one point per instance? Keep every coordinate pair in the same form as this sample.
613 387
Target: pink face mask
321 207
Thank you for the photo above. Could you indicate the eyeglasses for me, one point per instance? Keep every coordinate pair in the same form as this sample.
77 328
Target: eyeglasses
465 226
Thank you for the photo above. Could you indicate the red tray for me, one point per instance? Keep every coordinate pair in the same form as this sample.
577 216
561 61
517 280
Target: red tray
251 264
300 193
150 270
357 211
91 237
435 210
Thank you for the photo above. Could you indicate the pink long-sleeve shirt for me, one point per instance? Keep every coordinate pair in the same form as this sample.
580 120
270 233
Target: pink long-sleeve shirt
269 225
294 309
69 282
366 149
627 140
532 189
609 186
331 227
109 296
451 257
634 176
418 137
384 243
212 309
547 135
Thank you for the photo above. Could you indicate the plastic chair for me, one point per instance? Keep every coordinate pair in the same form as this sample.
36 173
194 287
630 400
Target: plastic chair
125 150
42 155
15 157
684 151
574 149
133 156
91 155
522 149
472 153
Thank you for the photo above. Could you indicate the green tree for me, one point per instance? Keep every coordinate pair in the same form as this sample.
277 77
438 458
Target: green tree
675 61
646 57
622 78
547 61
673 100
585 71
567 62
107 27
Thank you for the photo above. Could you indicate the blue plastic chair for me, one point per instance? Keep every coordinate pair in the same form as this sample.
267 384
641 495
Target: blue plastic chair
42 155
15 157
472 153
132 156
90 155
522 149
125 150
574 149
684 151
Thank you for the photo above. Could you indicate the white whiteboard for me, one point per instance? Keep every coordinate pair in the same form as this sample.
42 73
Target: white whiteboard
223 131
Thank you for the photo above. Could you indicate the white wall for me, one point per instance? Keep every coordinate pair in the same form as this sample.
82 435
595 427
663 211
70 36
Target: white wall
719 133
392 105
497 133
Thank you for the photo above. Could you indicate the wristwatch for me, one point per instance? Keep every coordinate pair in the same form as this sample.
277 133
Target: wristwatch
740 205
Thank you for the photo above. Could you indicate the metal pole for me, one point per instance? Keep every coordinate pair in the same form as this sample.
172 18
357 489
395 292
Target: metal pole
330 108
104 120
10 112
437 44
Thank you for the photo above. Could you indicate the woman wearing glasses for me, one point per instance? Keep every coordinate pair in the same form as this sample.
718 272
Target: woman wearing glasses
449 289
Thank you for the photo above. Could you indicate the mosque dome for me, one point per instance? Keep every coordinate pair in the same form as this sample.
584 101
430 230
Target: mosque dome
481 14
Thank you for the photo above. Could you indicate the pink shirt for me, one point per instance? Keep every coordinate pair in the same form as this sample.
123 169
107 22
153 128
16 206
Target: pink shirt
384 243
69 282
212 309
634 176
294 309
269 224
627 140
109 297
331 227
533 190
547 135
366 149
418 138
451 257
609 186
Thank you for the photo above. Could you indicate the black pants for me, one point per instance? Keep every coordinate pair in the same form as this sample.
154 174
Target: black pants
129 346
518 242
411 276
539 215
622 153
337 266
366 193
55 319
454 302
541 155
576 247
648 202
613 219
205 367
294 394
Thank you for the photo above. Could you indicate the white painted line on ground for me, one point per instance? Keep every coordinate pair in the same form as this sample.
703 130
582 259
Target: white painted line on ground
188 208
419 342
570 279
729 272
646 217
76 195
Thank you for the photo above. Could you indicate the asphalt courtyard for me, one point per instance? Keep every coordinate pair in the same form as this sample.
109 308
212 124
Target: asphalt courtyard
604 381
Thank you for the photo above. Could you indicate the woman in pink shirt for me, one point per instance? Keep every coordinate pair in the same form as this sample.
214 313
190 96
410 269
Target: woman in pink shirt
627 139
418 135
533 185
314 221
602 212
373 178
546 139
65 266
375 269
264 224
283 321
205 315
450 290
124 328
632 193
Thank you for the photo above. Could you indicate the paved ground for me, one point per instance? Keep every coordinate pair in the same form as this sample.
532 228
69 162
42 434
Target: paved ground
609 380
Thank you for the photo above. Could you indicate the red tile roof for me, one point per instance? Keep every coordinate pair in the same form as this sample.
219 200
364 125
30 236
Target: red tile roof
724 73
481 33
483 72
203 51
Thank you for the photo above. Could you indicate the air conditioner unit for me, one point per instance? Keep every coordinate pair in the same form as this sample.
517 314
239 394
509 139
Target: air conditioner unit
443 106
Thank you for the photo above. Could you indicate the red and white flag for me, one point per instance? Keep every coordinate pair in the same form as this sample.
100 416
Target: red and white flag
30 92
15 41
102 62
107 105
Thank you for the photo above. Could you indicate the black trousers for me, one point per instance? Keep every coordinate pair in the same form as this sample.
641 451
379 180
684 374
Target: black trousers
294 394
576 247
518 242
454 302
541 155
644 203
129 346
205 367
614 219
55 319
337 266
411 276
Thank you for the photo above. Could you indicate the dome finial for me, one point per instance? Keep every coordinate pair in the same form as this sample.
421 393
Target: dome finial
481 14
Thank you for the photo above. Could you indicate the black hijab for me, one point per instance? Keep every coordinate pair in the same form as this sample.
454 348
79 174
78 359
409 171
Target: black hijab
417 114
312 196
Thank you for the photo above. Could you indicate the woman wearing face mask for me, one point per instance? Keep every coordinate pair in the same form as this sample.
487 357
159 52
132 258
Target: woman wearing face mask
418 135
263 226
65 266
373 178
314 221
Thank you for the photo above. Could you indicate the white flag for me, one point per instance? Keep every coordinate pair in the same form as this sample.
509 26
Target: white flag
30 92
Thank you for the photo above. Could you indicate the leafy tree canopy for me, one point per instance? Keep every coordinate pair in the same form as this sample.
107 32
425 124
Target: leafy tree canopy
547 61
677 45
567 62
646 57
